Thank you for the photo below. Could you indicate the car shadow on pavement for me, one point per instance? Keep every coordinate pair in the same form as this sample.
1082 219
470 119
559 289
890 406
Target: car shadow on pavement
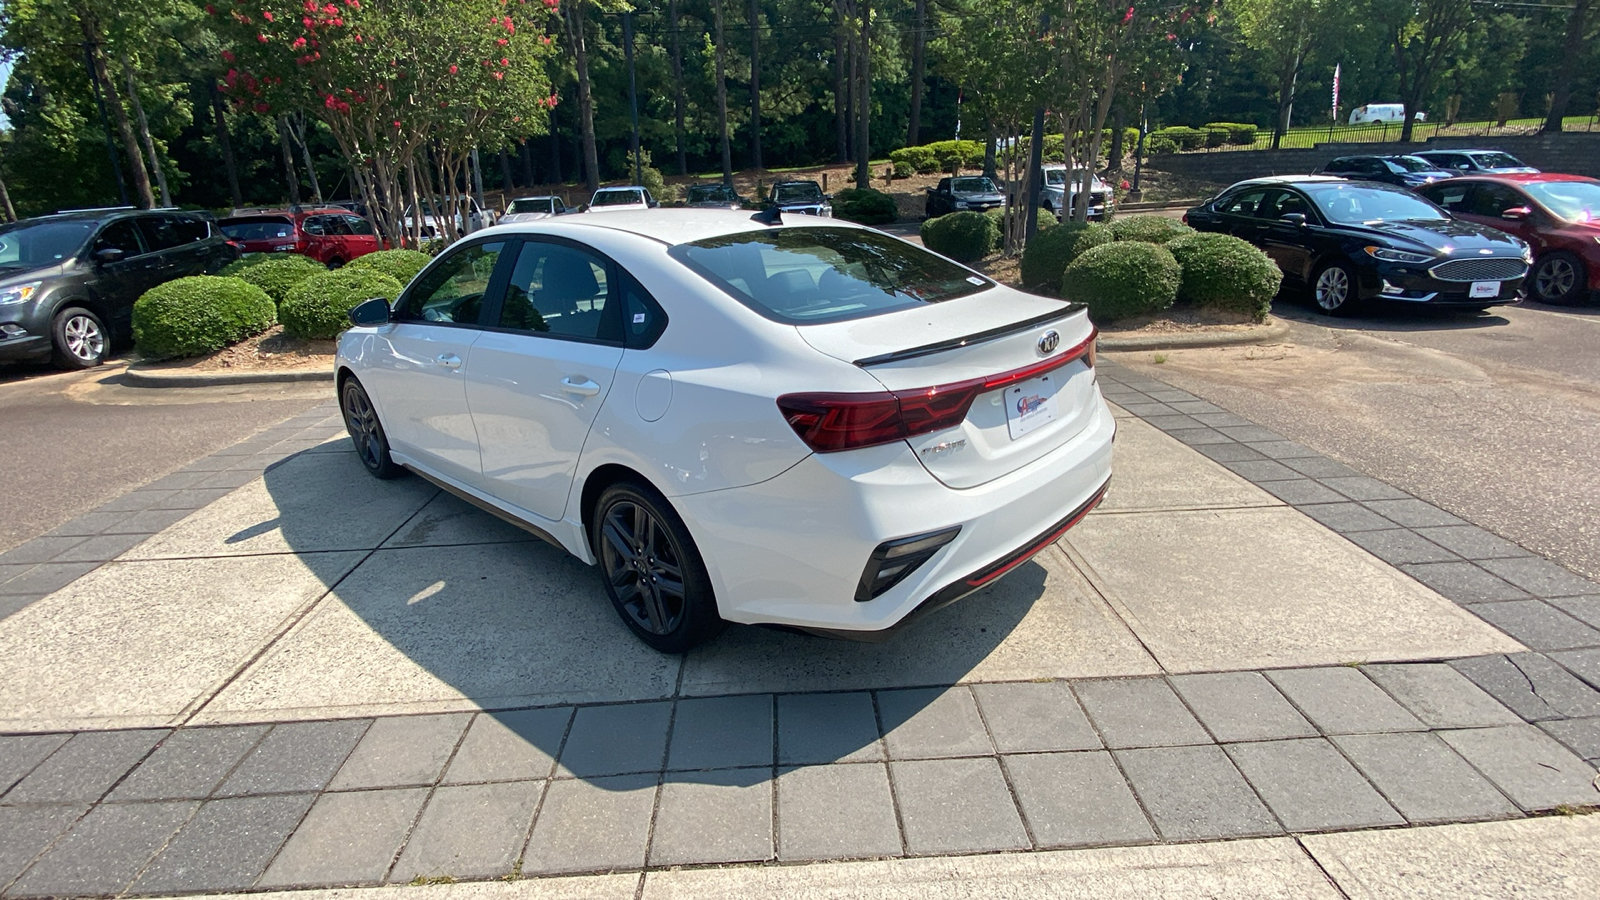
1387 317
454 609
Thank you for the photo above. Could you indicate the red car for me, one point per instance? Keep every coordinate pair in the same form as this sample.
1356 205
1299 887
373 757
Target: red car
329 235
1558 215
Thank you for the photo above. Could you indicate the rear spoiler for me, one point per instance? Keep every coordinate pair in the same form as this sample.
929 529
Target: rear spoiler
980 337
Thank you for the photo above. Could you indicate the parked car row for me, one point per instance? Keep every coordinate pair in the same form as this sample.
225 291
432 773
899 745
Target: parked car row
1481 232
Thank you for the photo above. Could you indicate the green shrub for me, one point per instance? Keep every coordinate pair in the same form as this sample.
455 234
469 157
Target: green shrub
864 206
1215 137
1183 136
434 246
903 168
232 269
319 307
1159 143
1122 279
1047 219
279 272
1050 252
963 236
1223 272
1149 229
1239 134
401 265
196 315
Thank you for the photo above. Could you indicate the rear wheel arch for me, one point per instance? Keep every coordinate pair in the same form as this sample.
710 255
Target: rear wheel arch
595 484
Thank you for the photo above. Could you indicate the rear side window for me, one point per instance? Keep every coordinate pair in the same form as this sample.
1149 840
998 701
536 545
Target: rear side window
811 275
357 225
160 232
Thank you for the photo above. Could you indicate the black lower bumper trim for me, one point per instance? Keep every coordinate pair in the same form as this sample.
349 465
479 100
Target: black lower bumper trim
978 580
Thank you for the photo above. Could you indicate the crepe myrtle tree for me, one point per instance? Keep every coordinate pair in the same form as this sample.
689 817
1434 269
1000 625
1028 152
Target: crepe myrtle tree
407 88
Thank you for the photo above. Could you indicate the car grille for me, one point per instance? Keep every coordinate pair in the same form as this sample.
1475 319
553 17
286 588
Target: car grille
1498 268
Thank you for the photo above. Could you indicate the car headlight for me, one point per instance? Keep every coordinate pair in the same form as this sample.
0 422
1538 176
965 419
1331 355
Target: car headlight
1399 256
961 204
1527 253
18 293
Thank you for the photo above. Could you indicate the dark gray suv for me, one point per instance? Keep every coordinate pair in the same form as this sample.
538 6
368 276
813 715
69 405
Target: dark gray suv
68 281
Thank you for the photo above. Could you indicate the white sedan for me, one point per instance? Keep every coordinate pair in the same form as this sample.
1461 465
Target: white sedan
805 423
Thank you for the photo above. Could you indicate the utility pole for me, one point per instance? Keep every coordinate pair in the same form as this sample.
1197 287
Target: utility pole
633 93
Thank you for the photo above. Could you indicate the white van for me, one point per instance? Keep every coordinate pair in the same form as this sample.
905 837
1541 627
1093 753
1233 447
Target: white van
1375 113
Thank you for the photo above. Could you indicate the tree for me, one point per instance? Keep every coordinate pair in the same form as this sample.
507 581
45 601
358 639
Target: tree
755 84
722 98
919 41
1577 25
575 22
1284 32
1423 35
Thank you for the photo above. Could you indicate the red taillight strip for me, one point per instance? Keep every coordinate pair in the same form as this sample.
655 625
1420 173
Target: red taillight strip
1031 550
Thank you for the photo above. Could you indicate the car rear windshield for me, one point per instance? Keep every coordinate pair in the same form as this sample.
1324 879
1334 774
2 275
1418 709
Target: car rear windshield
257 228
1358 204
617 198
1575 201
812 275
29 246
1410 164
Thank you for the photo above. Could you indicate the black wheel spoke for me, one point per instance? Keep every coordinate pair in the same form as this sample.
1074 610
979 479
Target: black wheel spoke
656 610
615 536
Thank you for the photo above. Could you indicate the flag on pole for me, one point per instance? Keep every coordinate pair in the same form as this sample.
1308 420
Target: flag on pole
1336 92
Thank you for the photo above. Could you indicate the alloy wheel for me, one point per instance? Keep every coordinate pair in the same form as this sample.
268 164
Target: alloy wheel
1555 279
362 421
84 339
643 567
1333 288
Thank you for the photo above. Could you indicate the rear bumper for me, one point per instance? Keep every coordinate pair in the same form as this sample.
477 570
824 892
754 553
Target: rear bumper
790 551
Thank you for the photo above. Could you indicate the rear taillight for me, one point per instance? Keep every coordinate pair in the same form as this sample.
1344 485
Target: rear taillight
833 421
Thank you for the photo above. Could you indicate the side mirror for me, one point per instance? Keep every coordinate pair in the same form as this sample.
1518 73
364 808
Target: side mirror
1296 219
1517 213
371 312
109 255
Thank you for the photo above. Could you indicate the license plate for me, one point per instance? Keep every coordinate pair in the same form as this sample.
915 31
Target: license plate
1030 405
1485 289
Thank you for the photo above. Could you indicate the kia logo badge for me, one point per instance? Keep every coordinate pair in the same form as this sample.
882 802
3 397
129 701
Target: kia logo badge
1049 342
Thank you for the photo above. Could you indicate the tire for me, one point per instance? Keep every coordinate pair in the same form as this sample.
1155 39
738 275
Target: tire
636 536
1559 278
366 432
1334 289
78 339
335 263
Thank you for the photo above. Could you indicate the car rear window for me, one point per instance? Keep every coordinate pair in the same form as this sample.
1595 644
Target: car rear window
813 275
257 228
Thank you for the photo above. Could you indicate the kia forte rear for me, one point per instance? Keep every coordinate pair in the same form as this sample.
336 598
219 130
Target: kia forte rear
799 423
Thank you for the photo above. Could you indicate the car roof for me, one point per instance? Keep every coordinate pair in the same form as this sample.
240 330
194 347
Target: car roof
1523 177
538 197
620 187
105 214
1465 151
668 226
1294 179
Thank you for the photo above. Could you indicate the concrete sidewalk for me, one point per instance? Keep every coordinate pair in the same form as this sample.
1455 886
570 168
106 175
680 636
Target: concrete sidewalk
318 679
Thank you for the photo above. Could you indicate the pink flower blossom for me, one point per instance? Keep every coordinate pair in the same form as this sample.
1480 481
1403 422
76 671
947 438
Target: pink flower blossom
453 69
262 38
1129 17
266 15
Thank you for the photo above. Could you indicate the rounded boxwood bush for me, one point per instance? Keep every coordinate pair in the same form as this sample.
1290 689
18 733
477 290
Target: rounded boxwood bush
1149 229
1223 272
277 273
1122 279
1050 252
232 269
401 265
319 307
864 206
1047 219
964 236
196 315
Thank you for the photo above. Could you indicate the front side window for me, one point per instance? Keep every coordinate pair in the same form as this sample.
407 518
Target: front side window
452 292
120 235
1357 204
557 290
1280 203
811 275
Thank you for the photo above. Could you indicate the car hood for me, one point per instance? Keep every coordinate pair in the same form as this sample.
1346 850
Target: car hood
1450 235
524 217
1512 170
619 207
11 277
801 204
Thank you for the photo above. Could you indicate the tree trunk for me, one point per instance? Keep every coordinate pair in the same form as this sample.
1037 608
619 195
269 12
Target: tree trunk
219 120
576 18
1117 148
289 175
525 160
299 131
864 111
130 144
507 183
755 84
144 133
722 97
919 39
989 154
1577 22
5 202
841 85
678 92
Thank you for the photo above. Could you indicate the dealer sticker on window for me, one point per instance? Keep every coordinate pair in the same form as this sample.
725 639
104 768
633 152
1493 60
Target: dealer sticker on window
1030 405
1482 289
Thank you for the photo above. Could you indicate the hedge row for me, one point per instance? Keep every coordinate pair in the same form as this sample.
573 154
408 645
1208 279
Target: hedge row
1215 134
865 206
939 156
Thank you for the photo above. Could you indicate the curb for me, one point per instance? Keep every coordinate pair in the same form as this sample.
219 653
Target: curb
1148 206
138 376
1272 331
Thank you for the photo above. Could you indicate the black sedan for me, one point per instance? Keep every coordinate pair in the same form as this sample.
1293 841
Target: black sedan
975 192
1404 171
1352 241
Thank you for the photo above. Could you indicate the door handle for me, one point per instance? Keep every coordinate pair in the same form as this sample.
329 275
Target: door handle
449 360
579 385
